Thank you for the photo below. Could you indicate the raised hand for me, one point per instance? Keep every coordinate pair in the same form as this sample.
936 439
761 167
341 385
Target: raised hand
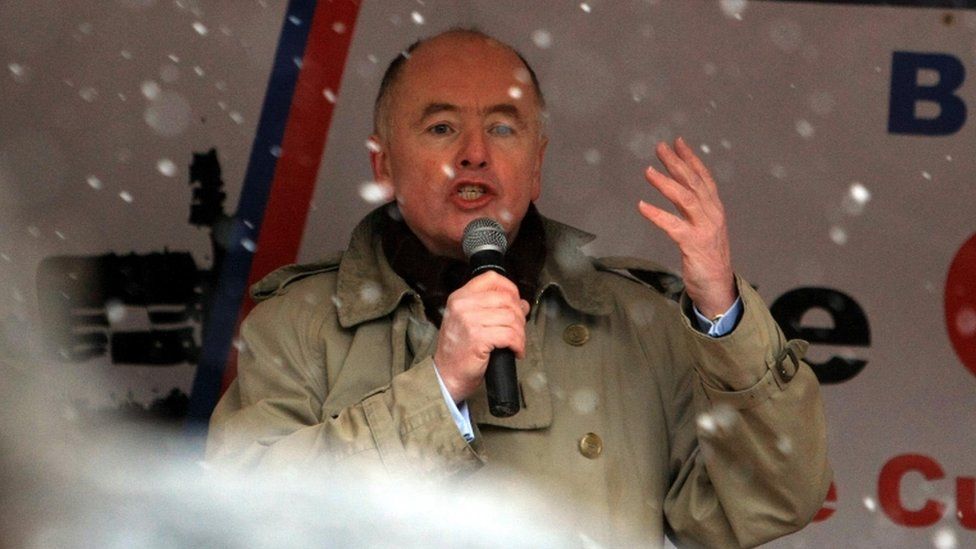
699 230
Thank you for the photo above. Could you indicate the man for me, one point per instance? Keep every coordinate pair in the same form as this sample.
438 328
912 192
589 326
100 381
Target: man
697 419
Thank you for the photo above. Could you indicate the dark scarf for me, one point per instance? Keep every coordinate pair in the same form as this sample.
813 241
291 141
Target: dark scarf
435 277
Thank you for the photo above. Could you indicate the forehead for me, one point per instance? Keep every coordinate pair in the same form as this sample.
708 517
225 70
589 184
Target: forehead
468 71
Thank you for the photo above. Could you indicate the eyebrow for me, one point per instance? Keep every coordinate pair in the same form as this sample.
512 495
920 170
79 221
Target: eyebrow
500 108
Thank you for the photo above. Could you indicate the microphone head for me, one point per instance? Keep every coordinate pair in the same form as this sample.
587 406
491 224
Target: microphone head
483 234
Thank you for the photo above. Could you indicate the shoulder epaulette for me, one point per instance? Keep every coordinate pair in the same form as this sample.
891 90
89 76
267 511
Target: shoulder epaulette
646 272
275 282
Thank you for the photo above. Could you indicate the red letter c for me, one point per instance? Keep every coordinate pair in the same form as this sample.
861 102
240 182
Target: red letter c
889 490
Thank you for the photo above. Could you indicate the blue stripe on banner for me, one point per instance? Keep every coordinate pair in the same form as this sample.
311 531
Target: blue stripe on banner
228 294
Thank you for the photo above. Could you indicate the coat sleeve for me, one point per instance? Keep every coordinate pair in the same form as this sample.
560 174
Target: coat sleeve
748 448
271 417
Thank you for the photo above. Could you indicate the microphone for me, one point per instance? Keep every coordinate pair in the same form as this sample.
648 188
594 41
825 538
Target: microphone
484 245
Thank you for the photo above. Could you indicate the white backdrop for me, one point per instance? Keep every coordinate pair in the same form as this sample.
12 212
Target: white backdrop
787 103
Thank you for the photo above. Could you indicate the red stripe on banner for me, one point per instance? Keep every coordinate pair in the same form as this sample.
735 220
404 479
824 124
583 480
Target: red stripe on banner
302 147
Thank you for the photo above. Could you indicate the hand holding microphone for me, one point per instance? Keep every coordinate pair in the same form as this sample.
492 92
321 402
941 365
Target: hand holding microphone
484 325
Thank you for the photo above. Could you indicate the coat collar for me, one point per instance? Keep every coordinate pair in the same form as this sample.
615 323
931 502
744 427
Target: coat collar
368 288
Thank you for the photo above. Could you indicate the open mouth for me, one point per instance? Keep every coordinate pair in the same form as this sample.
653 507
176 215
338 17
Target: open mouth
471 191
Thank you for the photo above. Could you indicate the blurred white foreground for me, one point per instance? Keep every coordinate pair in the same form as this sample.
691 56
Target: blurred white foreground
68 480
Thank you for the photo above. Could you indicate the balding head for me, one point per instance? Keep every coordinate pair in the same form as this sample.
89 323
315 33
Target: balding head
391 78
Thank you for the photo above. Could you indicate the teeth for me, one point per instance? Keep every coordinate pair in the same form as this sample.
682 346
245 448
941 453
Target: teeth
470 192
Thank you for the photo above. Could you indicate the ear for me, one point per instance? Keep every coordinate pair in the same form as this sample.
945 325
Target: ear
379 160
537 174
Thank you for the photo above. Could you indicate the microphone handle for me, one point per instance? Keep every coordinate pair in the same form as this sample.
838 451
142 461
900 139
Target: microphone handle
501 380
501 383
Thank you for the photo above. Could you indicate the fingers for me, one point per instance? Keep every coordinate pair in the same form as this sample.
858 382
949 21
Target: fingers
685 166
676 166
492 281
692 160
680 195
667 222
688 185
484 314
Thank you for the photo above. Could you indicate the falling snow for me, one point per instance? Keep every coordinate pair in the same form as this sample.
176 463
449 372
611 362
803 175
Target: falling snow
200 28
870 504
115 311
592 157
856 198
804 128
584 401
944 539
718 420
966 322
168 114
733 8
330 96
126 196
542 38
88 93
94 182
150 90
586 7
374 193
248 244
369 292
537 381
417 18
860 193
838 235
18 71
166 167
784 445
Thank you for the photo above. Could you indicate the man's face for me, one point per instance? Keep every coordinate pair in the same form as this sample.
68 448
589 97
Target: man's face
462 140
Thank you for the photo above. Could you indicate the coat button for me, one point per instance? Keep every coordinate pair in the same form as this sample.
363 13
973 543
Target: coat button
576 335
591 446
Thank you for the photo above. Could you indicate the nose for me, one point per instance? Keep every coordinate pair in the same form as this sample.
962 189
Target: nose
474 151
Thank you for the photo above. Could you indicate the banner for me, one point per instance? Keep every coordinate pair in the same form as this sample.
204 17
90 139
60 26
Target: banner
144 141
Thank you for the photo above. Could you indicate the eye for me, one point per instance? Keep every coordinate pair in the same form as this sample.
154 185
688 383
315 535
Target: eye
440 129
503 130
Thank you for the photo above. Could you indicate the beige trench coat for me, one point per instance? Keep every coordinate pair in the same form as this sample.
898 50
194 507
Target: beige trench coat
716 441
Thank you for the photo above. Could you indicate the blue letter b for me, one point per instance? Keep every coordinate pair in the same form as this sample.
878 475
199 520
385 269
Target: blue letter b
905 93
